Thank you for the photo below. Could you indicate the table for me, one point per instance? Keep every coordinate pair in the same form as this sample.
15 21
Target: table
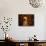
27 42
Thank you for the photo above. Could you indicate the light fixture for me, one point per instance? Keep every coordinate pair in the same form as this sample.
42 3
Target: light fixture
36 3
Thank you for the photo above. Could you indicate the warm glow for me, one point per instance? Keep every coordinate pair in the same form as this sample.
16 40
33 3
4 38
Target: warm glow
25 22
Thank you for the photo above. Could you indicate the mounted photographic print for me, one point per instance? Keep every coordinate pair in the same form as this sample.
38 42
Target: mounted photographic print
26 19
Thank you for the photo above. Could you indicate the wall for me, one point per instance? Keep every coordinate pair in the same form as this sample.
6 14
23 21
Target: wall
11 8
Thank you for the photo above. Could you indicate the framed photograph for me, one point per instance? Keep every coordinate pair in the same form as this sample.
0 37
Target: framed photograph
26 19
